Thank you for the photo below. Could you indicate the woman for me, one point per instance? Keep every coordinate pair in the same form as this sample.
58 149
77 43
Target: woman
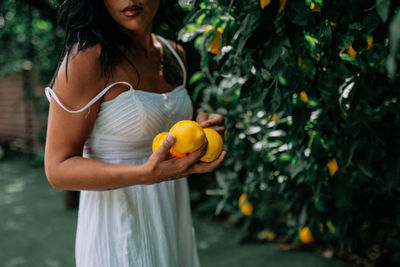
134 205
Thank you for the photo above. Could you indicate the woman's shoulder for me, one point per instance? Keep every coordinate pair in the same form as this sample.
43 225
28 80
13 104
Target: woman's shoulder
79 78
85 61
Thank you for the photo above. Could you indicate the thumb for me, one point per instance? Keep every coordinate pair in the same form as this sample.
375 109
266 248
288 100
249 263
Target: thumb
163 151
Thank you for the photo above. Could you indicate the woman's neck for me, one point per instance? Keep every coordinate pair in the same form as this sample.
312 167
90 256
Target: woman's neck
142 42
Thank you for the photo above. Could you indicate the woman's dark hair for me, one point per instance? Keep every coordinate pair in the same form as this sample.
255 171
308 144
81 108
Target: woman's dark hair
88 23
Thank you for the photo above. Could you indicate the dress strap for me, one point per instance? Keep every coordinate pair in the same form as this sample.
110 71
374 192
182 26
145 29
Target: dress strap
177 57
50 93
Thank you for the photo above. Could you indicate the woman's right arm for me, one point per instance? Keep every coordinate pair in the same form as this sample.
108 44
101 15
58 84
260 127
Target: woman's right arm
67 132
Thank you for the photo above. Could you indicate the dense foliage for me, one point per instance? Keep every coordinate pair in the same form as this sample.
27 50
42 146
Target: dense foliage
29 39
309 90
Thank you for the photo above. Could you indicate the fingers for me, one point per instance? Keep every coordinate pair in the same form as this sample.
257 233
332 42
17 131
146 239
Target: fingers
201 118
213 120
219 129
209 167
162 152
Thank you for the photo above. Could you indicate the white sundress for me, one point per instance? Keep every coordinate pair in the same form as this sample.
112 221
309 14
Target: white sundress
140 225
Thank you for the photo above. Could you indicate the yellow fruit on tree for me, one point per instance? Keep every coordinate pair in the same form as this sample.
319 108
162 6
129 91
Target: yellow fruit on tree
351 52
370 41
247 208
333 167
214 45
214 146
282 4
189 136
264 3
159 139
304 96
306 235
268 235
315 7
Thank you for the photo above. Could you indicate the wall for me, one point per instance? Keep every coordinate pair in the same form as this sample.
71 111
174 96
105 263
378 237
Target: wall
19 125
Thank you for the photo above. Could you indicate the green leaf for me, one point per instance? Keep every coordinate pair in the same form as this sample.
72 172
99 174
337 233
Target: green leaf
197 90
311 41
273 52
197 76
282 79
285 157
356 26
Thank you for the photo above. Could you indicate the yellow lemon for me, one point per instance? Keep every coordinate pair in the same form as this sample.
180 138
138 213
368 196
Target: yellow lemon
282 4
189 136
370 41
214 146
306 235
332 166
264 3
159 139
315 7
351 52
268 235
177 154
304 97
247 208
214 45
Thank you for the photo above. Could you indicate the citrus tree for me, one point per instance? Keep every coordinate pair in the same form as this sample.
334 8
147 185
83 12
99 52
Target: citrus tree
309 90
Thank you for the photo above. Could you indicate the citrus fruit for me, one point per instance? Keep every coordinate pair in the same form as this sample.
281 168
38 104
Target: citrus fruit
159 139
264 3
214 146
214 45
333 167
304 97
370 41
306 235
189 136
177 154
351 52
247 208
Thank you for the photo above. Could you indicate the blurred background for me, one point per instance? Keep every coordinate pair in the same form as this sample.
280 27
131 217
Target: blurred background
309 90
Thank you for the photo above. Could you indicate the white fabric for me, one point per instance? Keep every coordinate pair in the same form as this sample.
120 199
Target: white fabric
141 225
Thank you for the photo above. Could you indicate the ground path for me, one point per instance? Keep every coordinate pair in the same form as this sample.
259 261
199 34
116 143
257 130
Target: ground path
37 231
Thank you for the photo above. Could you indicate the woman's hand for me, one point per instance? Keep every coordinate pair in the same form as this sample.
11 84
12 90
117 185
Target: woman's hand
213 121
161 167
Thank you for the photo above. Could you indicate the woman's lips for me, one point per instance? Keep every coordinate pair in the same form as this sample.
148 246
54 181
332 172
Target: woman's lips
131 10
